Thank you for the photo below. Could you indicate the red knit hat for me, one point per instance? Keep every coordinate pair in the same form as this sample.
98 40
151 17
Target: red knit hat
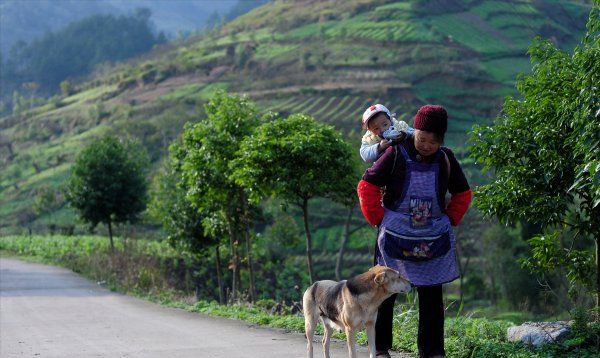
431 118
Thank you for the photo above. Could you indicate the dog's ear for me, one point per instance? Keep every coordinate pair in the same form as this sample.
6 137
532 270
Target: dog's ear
380 278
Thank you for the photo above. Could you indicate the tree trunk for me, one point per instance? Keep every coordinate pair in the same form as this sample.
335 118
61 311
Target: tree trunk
219 276
234 260
250 268
247 237
597 272
345 236
112 244
308 241
249 252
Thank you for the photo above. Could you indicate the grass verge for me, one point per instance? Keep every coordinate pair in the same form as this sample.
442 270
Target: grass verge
147 269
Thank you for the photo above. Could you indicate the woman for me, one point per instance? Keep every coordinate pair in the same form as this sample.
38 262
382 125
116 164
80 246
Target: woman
415 235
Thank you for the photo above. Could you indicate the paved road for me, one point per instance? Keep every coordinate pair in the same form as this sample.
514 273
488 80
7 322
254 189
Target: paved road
46 311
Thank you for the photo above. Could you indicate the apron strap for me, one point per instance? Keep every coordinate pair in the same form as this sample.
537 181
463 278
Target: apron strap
405 155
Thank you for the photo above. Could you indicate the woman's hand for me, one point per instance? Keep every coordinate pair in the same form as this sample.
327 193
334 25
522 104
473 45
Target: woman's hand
384 144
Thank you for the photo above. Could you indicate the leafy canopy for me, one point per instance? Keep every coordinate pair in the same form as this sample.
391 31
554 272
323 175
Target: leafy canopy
295 159
210 145
181 220
545 151
108 181
545 147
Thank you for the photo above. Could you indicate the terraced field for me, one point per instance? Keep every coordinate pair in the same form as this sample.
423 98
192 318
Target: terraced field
329 59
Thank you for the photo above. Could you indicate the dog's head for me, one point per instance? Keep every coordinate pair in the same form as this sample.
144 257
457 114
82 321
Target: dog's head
389 279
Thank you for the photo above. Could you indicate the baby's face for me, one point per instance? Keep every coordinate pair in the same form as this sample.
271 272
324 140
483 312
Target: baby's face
379 123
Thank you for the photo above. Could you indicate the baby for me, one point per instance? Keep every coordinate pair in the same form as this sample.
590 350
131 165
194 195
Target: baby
383 130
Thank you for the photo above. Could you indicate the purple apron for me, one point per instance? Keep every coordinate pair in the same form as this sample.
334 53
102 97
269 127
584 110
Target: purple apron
415 236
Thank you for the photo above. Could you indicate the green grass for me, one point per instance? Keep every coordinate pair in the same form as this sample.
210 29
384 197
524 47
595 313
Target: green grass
505 70
307 31
272 50
256 35
505 20
400 5
465 336
488 9
182 92
470 35
90 94
210 89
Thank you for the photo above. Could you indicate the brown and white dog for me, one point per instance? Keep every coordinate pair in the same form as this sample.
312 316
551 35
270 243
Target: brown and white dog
350 305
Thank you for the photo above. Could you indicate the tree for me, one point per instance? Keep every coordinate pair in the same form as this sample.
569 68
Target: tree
295 159
182 221
544 149
209 147
46 202
76 49
66 88
346 195
108 182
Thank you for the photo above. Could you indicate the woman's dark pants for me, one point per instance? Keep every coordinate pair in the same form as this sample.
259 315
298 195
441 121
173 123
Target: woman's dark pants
431 322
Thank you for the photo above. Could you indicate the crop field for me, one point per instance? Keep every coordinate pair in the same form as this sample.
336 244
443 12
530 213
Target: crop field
466 58
489 9
274 50
344 112
466 32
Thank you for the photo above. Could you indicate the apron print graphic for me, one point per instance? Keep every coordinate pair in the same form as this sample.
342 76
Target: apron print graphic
420 211
422 250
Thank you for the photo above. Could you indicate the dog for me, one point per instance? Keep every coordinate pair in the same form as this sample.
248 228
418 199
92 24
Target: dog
350 305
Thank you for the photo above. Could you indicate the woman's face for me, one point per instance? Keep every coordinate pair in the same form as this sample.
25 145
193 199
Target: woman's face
379 124
426 143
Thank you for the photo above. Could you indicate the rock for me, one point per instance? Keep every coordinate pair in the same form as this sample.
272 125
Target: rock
538 333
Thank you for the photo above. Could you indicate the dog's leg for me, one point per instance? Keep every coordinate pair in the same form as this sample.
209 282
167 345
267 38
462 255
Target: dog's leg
351 342
326 337
370 328
310 321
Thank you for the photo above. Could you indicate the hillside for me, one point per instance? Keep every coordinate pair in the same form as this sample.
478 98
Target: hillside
325 58
28 20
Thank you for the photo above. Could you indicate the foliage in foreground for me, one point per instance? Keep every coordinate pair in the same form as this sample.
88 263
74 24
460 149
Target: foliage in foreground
543 149
135 266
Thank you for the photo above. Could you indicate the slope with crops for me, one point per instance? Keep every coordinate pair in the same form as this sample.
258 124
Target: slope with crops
328 59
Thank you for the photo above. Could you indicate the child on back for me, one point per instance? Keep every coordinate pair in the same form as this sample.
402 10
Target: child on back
383 131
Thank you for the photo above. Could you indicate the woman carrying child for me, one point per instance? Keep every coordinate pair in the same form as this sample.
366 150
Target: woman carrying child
415 235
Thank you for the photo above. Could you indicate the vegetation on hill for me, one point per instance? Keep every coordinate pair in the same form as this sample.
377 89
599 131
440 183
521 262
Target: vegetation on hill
28 20
75 51
325 59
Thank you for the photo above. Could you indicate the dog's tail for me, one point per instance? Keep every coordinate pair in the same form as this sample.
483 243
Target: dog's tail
311 316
